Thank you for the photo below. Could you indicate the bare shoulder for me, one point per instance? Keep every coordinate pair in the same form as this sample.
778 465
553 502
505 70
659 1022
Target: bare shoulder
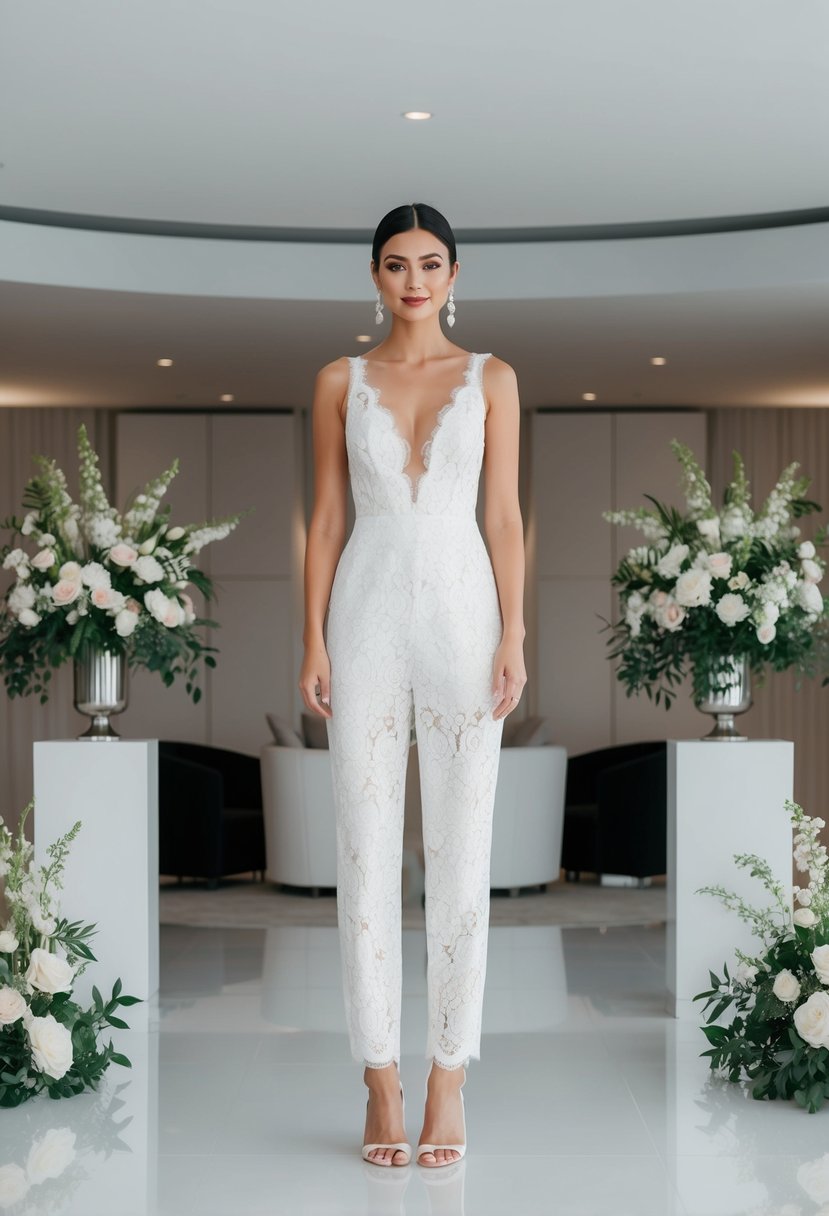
499 380
332 384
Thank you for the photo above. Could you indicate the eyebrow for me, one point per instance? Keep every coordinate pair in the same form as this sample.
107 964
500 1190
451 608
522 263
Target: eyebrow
423 258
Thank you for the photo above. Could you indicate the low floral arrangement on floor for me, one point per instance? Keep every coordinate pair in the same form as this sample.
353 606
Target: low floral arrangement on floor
779 1037
47 1042
113 581
711 585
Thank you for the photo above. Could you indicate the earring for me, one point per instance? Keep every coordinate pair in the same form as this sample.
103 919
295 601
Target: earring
450 308
379 308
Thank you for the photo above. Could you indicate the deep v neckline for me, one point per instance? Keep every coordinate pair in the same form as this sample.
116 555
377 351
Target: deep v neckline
426 447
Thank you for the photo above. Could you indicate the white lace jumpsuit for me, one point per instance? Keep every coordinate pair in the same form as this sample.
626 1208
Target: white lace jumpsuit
413 624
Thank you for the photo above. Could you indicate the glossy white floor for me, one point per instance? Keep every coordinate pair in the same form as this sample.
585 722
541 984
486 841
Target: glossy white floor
588 1098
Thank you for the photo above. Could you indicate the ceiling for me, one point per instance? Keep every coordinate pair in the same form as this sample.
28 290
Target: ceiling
546 118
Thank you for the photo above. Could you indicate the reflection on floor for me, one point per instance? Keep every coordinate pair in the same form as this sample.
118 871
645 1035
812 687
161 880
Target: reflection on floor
588 1100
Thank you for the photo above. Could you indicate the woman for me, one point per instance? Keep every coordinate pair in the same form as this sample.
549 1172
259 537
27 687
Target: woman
423 628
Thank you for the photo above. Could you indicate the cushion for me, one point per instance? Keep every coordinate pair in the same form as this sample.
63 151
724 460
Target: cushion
527 732
314 730
283 732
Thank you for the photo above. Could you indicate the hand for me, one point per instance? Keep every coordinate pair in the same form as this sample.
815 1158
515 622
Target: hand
315 680
509 676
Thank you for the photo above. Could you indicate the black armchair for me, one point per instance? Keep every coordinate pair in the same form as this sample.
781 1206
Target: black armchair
210 812
616 810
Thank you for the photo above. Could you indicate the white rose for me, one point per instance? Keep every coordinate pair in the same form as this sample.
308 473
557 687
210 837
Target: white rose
44 560
806 549
804 917
28 617
51 1045
94 575
732 608
125 622
809 598
50 1155
786 986
106 597
8 942
766 633
670 615
148 569
71 571
48 973
669 564
190 612
811 1020
719 564
12 1006
43 924
693 588
768 613
740 581
709 528
745 973
123 555
811 571
156 603
13 1184
66 591
174 616
820 959
175 534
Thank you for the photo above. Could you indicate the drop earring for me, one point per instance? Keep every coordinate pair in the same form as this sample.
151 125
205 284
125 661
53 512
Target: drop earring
379 308
450 308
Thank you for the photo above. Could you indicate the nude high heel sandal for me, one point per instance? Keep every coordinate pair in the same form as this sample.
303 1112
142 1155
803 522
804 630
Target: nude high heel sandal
431 1148
406 1148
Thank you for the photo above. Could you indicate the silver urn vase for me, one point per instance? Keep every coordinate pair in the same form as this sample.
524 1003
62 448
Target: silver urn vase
100 689
729 694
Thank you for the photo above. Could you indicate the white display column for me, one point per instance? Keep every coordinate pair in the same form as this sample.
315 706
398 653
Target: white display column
723 798
110 877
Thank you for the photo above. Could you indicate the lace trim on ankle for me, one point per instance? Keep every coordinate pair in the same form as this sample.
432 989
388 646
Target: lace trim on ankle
371 1064
450 1067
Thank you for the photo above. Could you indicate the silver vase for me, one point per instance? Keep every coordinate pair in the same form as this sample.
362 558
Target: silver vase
729 694
100 689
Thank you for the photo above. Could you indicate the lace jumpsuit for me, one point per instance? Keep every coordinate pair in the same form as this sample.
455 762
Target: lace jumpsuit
413 623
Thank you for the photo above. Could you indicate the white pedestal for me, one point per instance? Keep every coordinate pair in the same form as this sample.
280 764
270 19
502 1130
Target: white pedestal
723 798
110 877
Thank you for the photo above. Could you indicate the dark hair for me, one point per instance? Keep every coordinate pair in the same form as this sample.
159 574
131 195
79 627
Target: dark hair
413 215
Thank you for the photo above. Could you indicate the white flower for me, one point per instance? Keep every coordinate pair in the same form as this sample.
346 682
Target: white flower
46 540
709 528
670 615
766 633
106 597
739 582
168 611
175 534
102 532
745 974
51 1045
123 555
148 569
48 973
693 587
809 598
21 596
732 608
811 1020
44 560
29 618
12 1006
66 591
804 916
719 564
811 571
14 559
71 571
28 525
803 896
806 549
13 1184
50 1155
767 613
190 613
125 622
148 545
43 924
669 564
820 959
734 523
786 986
94 574
8 942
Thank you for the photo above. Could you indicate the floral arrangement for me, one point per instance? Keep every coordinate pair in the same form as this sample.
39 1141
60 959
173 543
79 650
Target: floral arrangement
779 1037
47 1042
101 578
711 585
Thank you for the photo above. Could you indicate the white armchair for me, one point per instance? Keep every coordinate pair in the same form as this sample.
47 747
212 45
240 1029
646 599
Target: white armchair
300 827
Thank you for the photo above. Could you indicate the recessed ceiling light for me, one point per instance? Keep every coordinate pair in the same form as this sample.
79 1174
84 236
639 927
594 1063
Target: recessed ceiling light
226 397
363 337
417 114
658 360
164 362
588 396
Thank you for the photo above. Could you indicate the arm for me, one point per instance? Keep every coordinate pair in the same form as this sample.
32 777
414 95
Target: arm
326 531
504 526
